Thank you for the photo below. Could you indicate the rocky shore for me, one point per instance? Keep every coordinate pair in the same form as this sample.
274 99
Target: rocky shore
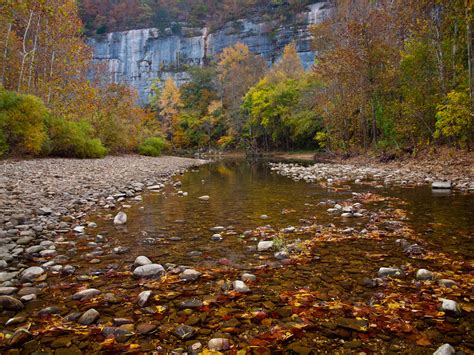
41 199
385 174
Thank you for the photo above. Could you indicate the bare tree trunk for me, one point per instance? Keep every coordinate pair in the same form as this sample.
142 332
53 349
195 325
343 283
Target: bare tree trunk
33 52
51 75
5 54
24 53
470 61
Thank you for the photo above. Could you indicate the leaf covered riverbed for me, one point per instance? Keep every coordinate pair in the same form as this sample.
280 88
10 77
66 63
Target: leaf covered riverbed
297 267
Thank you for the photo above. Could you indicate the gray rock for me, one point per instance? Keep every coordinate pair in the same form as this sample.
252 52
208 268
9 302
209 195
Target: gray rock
149 271
34 249
184 332
265 245
45 211
204 198
445 349
86 294
120 219
389 271
219 344
28 298
281 255
249 277
10 303
240 286
79 229
7 291
446 283
143 297
217 229
189 275
31 273
216 237
450 307
89 317
48 311
142 260
441 185
423 274
264 216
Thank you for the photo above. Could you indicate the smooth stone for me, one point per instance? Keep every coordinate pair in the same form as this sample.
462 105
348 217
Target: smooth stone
19 337
86 294
450 307
118 333
249 277
389 271
423 274
49 310
281 255
219 344
15 321
79 229
146 328
189 275
149 271
446 283
441 185
10 303
265 245
192 303
142 260
143 297
216 237
31 273
7 291
445 349
184 332
204 198
7 276
240 286
264 216
28 298
217 229
89 317
120 219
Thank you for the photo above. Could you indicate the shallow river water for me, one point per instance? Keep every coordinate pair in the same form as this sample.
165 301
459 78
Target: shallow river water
322 296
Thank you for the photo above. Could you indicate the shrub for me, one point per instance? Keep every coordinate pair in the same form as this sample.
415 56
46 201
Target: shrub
152 146
3 143
22 120
72 140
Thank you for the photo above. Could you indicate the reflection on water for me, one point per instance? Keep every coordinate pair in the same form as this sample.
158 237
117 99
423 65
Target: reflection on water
241 191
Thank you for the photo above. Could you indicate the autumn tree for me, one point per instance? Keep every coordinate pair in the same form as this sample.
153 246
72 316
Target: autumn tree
238 70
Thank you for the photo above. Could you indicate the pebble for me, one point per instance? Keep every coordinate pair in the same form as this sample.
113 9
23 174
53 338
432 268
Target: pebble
31 273
189 275
249 277
10 303
450 307
423 274
143 298
120 219
149 271
79 229
445 349
216 237
204 198
219 344
240 286
142 260
86 294
389 271
265 245
184 332
89 317
446 283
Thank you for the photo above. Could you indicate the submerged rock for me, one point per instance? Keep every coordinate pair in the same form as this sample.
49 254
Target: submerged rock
240 286
219 344
389 271
143 298
204 198
9 303
450 307
189 275
423 274
31 273
86 294
149 271
142 260
89 317
446 283
441 185
445 349
265 245
184 332
249 277
120 219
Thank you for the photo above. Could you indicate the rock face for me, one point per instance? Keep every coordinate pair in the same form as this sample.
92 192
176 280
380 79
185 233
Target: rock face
138 57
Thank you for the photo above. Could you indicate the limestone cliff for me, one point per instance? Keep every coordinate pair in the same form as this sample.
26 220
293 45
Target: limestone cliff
137 57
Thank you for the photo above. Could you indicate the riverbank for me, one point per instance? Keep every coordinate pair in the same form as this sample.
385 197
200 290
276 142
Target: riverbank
430 166
40 198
